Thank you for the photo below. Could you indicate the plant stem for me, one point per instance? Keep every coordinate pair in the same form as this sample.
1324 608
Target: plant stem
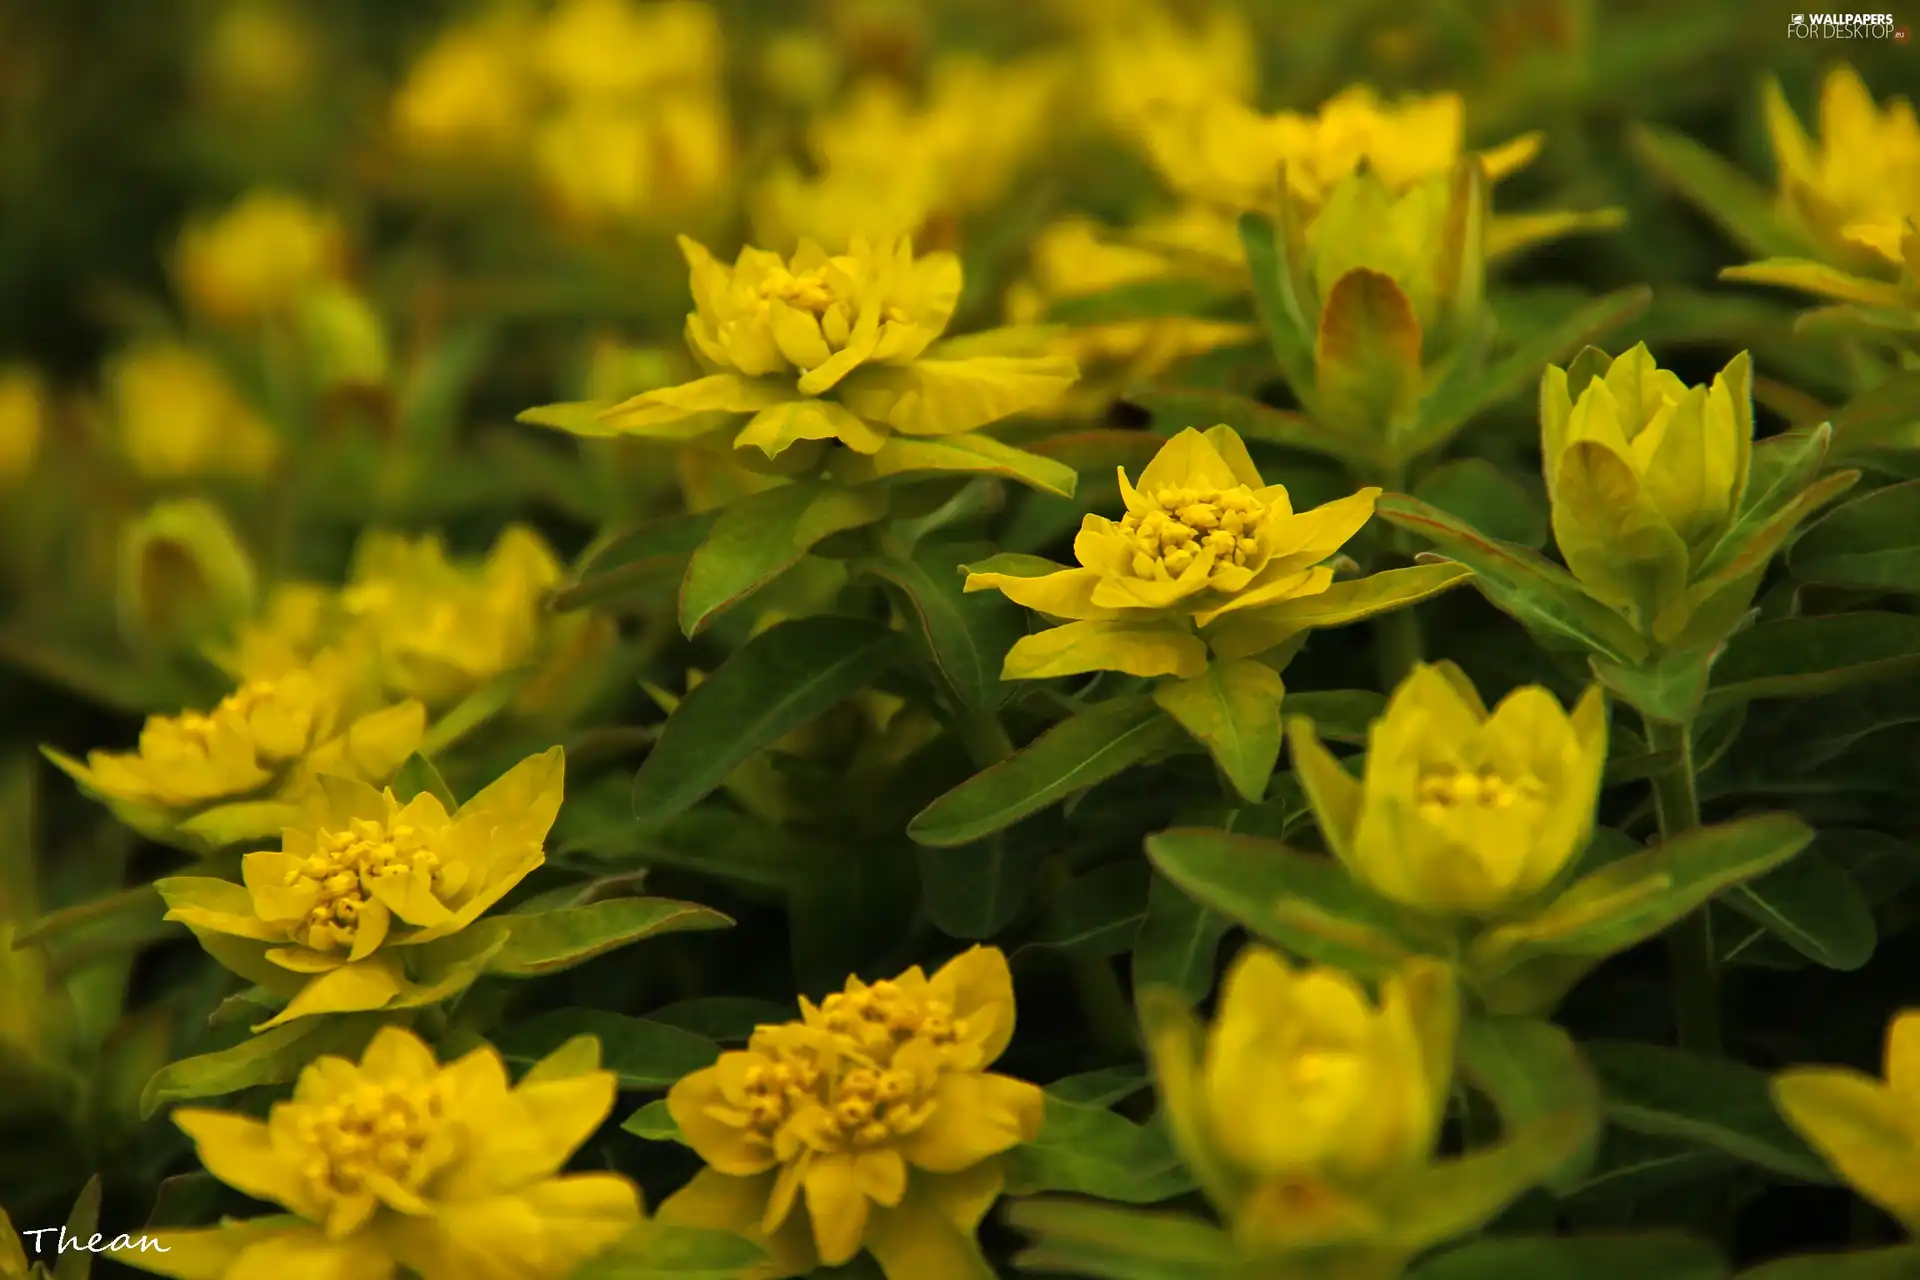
1109 1014
1696 978
1397 640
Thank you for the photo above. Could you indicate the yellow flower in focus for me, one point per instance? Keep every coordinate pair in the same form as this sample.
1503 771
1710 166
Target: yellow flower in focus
443 628
178 418
870 1123
1644 474
1073 259
469 93
1868 1129
820 347
1203 537
1461 811
333 920
612 49
257 259
23 416
1305 1096
396 1161
1857 188
266 740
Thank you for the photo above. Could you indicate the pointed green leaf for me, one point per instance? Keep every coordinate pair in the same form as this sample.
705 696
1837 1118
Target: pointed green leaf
551 941
1901 1262
1305 903
1263 628
1871 543
82 1223
1669 688
418 776
643 1054
1071 756
635 561
968 634
1883 415
1290 331
1803 657
1178 945
977 889
968 454
1745 209
1529 1068
654 1123
1102 1088
1097 914
725 1019
472 711
776 683
1486 498
1339 715
1233 710
667 1251
760 537
1648 1256
1714 1102
1813 906
1089 1150
272 1057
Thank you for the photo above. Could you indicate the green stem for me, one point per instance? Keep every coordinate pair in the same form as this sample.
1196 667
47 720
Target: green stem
1109 1014
1398 643
1690 945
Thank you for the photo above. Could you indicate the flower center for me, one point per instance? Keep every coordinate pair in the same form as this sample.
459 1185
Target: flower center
1445 789
191 732
811 292
1182 524
343 868
374 1135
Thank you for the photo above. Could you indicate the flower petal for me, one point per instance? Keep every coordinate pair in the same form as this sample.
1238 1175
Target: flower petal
837 1207
349 989
719 1202
729 1148
1066 594
239 1151
203 902
975 1115
921 1240
1138 649
779 427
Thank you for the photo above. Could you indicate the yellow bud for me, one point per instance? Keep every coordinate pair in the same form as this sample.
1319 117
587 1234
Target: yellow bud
184 577
22 421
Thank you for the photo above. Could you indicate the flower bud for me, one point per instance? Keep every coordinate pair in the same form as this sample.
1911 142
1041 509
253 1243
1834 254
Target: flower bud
345 339
258 258
184 577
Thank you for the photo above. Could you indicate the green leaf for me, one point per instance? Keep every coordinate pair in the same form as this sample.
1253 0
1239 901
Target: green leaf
1519 370
1263 629
1871 543
1140 299
777 682
1901 1262
968 635
1528 1067
1813 906
1538 593
1071 756
1488 499
1367 355
977 889
1290 331
1305 903
1176 409
645 1055
1883 415
967 454
1102 1088
1714 1102
126 920
666 1251
1744 209
760 537
1178 945
654 1123
1801 657
1650 1256
726 1019
1089 1150
272 1057
551 941
1098 914
472 711
1233 710
1339 715
417 776
1083 1238
635 561
82 1223
1668 687
1632 1168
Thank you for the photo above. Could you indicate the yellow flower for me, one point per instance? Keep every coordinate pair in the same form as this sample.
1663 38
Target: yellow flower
179 418
1461 811
339 918
23 414
1204 537
442 628
1305 1096
817 348
1072 259
469 94
266 740
396 1161
1644 474
258 258
1856 189
610 49
1868 1129
610 163
299 620
1144 62
870 1123
258 53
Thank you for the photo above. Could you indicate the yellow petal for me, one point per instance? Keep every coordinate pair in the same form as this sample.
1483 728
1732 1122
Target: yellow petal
1511 155
202 902
1311 536
1334 793
271 897
1137 649
919 1240
975 1115
1066 594
798 336
370 930
1271 588
351 988
779 427
946 397
410 896
1189 460
524 801
727 1147
649 411
977 985
238 1150
397 1056
306 959
837 1207
1817 278
1858 1124
1903 1058
722 1203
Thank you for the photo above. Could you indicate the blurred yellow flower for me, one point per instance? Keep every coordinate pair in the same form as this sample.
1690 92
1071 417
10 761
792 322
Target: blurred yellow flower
1204 536
184 576
23 416
258 258
299 620
1144 61
1857 188
396 1161
1461 810
1866 1128
613 49
470 94
1074 259
816 348
610 163
443 628
1644 474
258 52
326 920
178 418
265 740
1304 1095
871 1123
